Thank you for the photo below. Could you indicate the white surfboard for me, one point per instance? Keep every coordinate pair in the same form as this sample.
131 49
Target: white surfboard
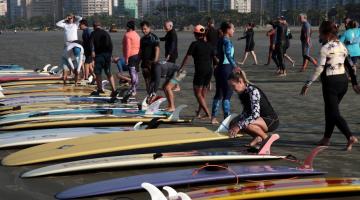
34 137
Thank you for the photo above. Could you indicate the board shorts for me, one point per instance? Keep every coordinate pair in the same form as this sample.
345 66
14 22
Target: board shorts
202 79
88 59
272 122
102 62
250 47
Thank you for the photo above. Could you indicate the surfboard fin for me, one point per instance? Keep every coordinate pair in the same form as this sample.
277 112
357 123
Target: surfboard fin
2 95
225 125
265 147
104 83
46 67
138 126
1 89
175 116
154 107
308 163
156 194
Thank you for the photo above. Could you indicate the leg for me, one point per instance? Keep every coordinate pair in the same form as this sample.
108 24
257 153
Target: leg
201 100
245 57
226 90
289 59
257 129
168 90
217 97
254 56
269 56
134 80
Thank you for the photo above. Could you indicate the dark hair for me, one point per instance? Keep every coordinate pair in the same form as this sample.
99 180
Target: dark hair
352 24
199 35
84 22
238 74
328 28
131 24
211 20
225 26
145 23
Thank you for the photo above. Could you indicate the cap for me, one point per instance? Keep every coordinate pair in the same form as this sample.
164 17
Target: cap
199 29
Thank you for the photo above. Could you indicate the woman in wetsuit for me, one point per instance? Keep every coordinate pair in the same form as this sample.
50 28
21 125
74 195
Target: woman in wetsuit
331 69
225 54
203 54
250 43
258 117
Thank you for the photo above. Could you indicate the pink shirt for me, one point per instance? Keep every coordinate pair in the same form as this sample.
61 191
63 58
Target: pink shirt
131 44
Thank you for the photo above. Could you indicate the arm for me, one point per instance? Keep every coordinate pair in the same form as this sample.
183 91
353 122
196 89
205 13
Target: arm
184 62
163 38
308 34
342 38
228 52
157 54
173 46
61 23
255 109
351 70
126 49
319 69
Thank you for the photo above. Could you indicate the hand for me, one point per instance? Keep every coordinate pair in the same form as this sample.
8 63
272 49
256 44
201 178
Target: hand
304 90
233 131
273 47
237 69
93 54
356 89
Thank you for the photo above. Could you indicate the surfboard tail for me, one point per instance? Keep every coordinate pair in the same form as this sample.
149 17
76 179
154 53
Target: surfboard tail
154 107
156 194
225 125
175 116
308 163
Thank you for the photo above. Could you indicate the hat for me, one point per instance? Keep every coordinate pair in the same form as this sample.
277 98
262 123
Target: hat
199 29
130 25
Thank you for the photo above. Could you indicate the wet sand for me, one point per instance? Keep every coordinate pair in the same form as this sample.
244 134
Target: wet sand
301 118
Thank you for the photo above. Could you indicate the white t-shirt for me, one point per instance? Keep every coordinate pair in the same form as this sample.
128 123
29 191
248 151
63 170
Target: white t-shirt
70 30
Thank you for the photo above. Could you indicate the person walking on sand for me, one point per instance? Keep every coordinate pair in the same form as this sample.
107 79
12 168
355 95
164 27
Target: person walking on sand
305 38
131 48
271 35
203 55
258 117
287 44
226 65
279 45
331 69
351 39
149 52
102 48
250 43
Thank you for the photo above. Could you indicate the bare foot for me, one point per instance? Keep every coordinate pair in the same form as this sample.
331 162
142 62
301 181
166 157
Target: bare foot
214 121
324 142
205 116
257 140
176 88
352 140
170 109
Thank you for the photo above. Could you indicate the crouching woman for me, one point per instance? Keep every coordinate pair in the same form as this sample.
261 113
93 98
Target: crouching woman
258 117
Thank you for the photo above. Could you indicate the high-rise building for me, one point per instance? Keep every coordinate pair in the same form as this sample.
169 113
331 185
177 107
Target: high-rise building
87 7
127 8
16 9
3 7
149 6
241 6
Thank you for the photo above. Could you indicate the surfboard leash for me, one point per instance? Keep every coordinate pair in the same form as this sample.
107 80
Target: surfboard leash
208 166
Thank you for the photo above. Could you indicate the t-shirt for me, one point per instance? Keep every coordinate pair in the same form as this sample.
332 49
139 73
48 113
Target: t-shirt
305 31
203 54
101 41
148 43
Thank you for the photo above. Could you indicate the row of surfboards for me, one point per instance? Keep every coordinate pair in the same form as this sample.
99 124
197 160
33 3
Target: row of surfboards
67 123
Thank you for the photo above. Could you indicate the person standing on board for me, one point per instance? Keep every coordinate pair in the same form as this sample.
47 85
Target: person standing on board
258 117
331 69
250 43
149 52
305 38
226 65
203 55
131 48
89 63
102 48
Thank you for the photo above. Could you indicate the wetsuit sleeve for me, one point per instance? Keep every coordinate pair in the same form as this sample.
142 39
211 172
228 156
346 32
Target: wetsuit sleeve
228 51
255 109
191 49
342 38
61 23
351 70
320 68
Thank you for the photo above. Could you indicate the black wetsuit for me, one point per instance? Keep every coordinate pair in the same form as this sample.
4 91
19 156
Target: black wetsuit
166 70
250 43
102 45
148 45
280 45
212 36
203 54
171 48
255 105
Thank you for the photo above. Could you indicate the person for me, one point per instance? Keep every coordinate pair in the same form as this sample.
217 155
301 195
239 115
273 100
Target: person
226 65
149 52
305 38
70 25
124 80
88 64
287 44
271 34
258 117
250 43
331 69
102 48
74 51
351 38
203 55
169 71
131 48
279 45
171 41
211 34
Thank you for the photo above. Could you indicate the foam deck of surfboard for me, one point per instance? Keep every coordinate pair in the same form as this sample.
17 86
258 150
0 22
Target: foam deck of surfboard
59 93
279 189
37 78
99 144
33 137
39 82
41 90
170 158
182 177
43 87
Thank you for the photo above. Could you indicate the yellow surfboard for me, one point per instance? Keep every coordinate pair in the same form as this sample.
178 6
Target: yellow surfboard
49 90
99 144
19 83
59 93
289 188
98 121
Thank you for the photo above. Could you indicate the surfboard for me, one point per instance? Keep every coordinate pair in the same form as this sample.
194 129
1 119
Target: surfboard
279 188
33 137
100 144
39 82
49 90
183 177
11 67
146 160
29 78
58 93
